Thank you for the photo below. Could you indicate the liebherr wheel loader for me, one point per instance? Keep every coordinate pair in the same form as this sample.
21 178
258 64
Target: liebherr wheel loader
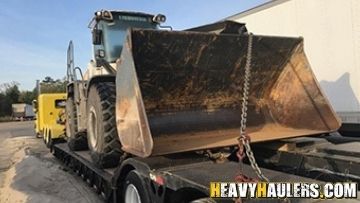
151 91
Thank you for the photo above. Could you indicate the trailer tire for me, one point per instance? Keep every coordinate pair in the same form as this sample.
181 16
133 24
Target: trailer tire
44 135
134 189
103 140
38 135
48 140
76 140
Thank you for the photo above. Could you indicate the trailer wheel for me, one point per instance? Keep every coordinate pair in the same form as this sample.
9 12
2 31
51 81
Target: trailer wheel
48 139
102 136
43 136
50 142
134 190
38 135
76 141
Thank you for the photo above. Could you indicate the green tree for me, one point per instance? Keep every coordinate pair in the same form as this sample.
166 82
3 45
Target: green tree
13 94
27 97
48 79
9 94
50 85
5 86
2 104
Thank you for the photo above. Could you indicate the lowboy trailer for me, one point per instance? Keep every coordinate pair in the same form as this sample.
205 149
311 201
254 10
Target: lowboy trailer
186 177
160 114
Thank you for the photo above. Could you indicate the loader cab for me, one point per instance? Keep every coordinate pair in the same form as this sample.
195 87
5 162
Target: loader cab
109 29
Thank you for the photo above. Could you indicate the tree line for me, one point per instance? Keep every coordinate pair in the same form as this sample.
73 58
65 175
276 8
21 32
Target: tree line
10 93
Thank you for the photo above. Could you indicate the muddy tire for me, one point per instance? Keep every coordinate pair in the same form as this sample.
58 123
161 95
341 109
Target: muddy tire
103 140
76 140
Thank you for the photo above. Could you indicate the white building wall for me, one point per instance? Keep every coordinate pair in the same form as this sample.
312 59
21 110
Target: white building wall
331 31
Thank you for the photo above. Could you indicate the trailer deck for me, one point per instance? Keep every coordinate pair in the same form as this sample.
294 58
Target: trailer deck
328 158
301 159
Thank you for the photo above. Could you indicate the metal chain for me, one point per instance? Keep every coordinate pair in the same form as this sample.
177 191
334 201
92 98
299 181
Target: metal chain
243 138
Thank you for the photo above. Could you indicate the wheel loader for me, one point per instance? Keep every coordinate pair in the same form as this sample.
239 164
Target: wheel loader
160 114
150 90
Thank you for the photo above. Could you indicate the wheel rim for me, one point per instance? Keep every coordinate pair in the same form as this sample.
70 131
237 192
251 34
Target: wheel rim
132 194
93 130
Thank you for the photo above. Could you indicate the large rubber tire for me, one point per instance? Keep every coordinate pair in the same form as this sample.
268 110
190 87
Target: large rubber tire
44 131
133 189
48 140
103 140
76 140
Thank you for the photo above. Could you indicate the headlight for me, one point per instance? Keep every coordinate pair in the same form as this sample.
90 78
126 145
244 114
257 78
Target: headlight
159 18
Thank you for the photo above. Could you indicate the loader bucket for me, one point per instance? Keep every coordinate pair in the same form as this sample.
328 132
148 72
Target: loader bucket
181 91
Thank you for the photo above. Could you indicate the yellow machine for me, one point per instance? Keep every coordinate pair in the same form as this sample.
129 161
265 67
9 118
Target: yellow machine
49 123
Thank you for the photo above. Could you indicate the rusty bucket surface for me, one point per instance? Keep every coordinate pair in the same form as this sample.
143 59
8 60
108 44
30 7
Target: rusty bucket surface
181 91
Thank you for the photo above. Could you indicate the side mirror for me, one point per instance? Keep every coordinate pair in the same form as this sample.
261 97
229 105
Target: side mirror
96 37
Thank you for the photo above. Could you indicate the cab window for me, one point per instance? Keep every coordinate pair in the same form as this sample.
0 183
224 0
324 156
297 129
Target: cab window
60 103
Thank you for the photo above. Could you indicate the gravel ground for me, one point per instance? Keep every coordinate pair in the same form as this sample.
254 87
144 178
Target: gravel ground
29 173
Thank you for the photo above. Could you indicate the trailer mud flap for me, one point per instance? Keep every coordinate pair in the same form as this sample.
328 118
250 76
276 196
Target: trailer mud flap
181 91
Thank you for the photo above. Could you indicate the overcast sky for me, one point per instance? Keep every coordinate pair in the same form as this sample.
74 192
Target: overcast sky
34 34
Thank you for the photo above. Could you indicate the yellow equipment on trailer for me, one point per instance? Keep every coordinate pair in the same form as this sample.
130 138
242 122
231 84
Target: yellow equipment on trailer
50 122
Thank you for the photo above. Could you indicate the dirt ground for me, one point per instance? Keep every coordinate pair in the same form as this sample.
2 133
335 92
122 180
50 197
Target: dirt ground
29 173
